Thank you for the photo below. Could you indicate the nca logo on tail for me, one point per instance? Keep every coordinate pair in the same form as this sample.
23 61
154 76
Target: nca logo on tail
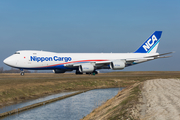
150 43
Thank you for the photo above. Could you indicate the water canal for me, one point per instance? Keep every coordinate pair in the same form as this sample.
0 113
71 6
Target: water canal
30 102
72 108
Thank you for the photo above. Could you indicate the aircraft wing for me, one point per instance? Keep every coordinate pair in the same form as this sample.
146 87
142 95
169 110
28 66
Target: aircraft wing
127 61
93 63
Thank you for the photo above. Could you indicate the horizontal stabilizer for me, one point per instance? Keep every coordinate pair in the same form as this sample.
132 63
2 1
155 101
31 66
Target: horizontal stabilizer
163 57
160 54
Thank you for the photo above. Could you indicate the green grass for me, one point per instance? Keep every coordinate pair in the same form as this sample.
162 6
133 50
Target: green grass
122 111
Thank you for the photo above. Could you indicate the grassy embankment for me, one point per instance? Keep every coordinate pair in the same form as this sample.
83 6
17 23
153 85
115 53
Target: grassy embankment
119 107
14 88
124 110
124 106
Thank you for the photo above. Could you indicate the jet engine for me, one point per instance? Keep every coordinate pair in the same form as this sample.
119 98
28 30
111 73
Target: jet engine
86 68
117 65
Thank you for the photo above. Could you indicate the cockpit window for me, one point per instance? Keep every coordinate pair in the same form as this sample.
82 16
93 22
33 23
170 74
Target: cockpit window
17 53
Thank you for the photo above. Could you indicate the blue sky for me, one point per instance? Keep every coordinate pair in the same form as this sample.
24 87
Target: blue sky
90 26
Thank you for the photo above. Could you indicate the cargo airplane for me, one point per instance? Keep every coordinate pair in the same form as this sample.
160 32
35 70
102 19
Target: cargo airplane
85 62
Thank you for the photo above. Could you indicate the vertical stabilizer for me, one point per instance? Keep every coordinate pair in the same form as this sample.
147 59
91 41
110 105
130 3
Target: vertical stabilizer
151 44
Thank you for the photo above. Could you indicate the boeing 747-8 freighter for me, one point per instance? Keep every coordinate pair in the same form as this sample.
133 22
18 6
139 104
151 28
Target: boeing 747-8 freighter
85 62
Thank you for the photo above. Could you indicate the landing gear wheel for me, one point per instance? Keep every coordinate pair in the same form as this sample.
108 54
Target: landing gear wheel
88 73
77 72
22 73
94 73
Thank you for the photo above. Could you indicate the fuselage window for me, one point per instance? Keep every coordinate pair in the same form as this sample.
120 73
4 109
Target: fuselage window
17 53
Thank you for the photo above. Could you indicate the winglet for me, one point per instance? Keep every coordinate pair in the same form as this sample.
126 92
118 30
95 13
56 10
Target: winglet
151 44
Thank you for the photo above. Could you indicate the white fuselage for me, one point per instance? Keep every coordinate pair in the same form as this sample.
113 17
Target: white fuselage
49 60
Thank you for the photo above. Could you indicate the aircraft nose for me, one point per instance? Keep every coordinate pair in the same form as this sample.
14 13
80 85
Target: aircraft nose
5 61
8 61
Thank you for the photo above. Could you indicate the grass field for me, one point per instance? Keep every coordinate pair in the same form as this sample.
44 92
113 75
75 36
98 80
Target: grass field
15 88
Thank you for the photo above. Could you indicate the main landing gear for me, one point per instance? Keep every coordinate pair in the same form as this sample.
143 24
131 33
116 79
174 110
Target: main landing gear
93 73
89 73
78 72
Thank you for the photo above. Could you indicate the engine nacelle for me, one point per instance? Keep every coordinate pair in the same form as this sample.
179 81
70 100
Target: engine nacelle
59 71
86 68
117 65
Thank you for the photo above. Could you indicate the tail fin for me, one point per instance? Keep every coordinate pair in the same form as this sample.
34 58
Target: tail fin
151 44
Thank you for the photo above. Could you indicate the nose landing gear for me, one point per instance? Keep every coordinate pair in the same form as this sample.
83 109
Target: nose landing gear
22 72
